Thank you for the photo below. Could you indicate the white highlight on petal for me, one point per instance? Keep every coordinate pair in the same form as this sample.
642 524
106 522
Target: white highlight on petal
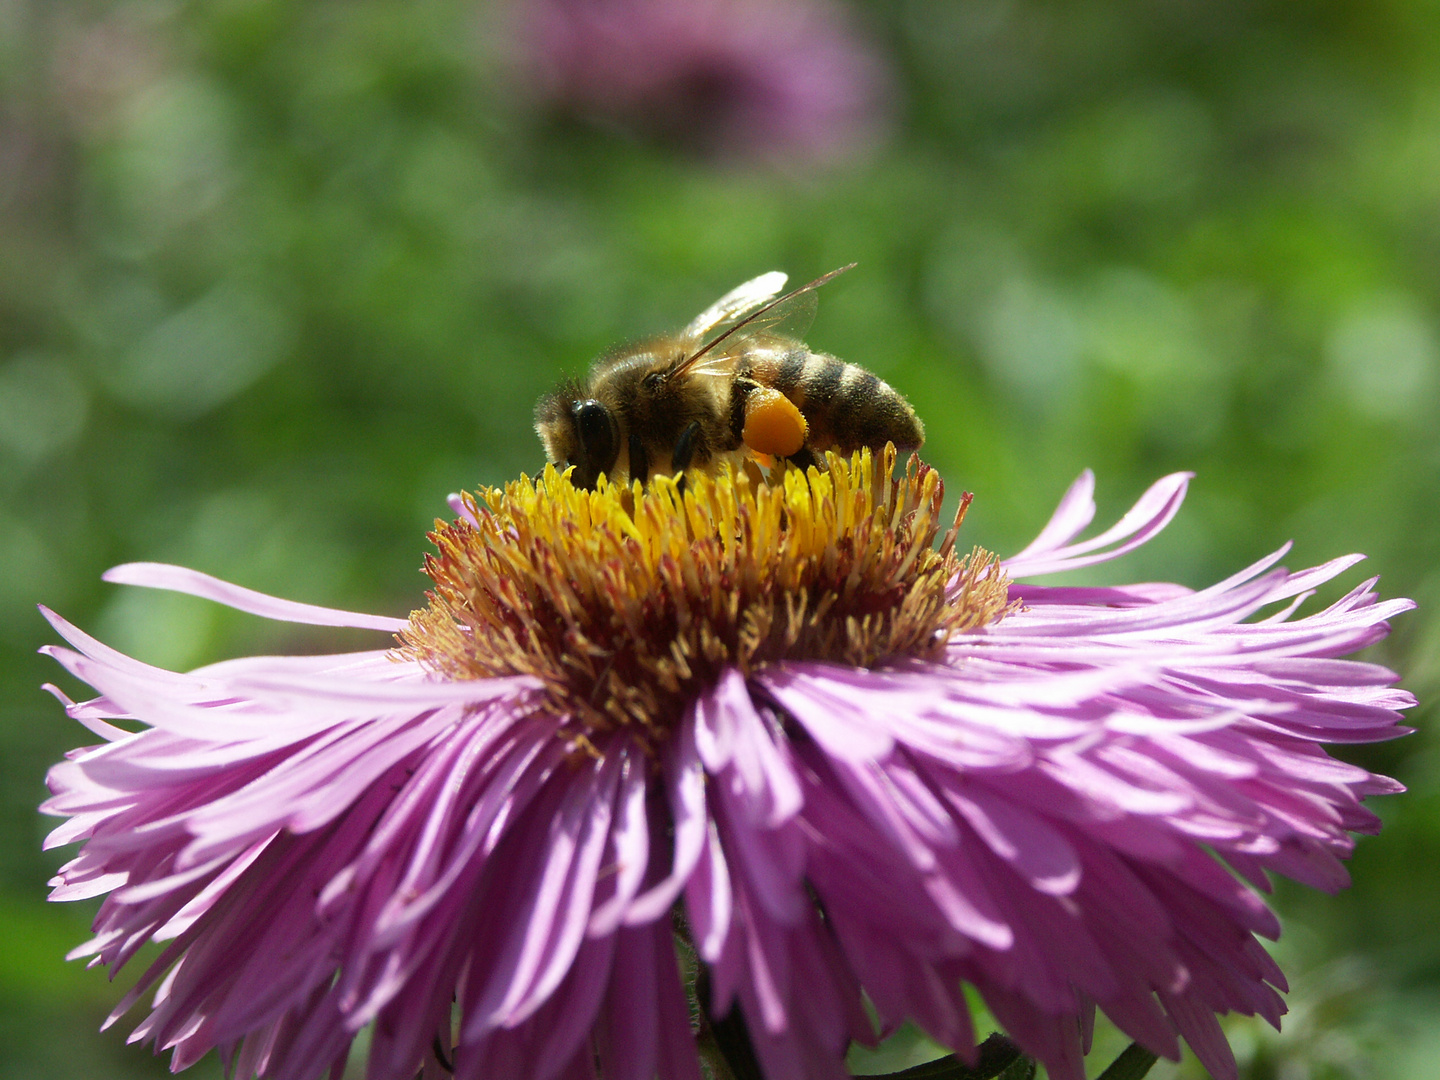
341 696
630 845
108 732
685 786
734 741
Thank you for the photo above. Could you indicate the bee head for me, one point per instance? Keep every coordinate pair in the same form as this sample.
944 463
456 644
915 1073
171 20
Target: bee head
578 431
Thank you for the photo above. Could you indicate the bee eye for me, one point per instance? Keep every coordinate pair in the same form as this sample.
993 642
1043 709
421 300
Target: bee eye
599 437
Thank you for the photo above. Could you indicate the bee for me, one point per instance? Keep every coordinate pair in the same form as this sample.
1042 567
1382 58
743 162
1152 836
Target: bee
737 379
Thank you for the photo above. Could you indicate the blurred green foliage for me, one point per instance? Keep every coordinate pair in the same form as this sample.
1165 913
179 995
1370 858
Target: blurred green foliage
277 276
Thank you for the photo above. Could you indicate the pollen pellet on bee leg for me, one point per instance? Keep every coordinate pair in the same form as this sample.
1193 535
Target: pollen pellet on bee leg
773 424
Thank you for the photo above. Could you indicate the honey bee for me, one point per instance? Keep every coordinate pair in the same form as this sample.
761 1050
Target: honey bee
737 379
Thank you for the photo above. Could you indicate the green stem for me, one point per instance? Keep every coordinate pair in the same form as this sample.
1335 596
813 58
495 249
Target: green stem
999 1059
1133 1063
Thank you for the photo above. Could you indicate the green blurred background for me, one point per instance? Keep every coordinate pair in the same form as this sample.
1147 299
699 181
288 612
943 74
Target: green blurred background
275 277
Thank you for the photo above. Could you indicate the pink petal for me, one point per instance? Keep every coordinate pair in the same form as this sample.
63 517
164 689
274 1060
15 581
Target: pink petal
183 580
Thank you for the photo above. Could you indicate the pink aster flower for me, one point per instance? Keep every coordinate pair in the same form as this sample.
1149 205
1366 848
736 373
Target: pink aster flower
770 722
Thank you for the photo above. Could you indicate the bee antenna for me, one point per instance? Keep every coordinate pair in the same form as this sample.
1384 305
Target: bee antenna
689 361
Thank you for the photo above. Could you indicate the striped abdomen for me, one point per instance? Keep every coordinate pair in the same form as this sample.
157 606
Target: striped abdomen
846 406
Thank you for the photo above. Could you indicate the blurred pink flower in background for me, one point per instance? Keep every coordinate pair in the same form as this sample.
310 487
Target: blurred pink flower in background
785 83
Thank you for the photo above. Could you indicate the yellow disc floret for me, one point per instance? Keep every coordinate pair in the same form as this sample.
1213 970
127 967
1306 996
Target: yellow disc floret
626 602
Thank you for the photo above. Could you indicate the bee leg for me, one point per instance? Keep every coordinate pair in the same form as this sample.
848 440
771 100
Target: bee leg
686 446
690 444
740 392
804 458
639 460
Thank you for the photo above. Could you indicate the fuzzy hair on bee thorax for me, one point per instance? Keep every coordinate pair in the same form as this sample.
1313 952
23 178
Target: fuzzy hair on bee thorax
655 408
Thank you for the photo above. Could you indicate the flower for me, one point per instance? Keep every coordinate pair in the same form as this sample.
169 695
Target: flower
843 766
736 79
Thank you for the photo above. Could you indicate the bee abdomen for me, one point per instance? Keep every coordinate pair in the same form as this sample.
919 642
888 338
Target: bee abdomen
846 406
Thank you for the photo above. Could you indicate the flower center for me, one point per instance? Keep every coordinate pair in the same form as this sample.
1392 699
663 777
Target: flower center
627 602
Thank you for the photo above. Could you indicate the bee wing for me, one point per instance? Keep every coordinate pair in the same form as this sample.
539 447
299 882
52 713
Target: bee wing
790 318
737 303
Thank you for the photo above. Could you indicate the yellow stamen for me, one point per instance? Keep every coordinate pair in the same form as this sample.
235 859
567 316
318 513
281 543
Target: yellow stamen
626 602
